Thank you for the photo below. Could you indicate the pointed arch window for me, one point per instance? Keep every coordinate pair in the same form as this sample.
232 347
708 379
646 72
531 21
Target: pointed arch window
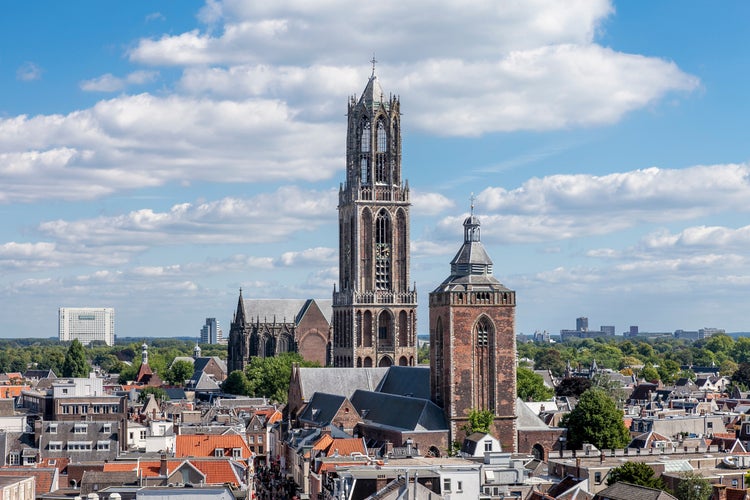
383 251
381 152
365 140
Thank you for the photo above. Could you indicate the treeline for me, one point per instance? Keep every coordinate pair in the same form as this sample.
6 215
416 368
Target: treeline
663 359
18 355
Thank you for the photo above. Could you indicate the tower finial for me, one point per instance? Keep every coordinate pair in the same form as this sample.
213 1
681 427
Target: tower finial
472 198
373 61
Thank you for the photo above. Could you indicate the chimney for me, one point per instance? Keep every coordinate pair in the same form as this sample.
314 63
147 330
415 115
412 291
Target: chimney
163 465
719 492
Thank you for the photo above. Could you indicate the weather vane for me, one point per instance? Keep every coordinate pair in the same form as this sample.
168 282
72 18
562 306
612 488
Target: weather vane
472 198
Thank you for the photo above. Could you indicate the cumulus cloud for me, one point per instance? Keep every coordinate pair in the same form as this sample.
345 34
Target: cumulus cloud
265 218
499 76
317 256
561 207
141 141
110 83
29 71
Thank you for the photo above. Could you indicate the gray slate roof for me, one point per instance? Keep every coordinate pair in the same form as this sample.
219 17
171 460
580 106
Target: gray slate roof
399 412
407 381
322 408
527 419
284 310
626 491
343 381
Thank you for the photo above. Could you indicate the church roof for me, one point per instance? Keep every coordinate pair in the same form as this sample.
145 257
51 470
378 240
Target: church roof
373 94
322 408
407 381
343 381
284 310
527 419
399 412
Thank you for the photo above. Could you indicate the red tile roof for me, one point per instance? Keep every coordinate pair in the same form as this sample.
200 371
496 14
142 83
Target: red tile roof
203 445
217 471
44 478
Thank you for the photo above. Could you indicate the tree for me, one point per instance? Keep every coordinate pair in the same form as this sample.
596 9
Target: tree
269 377
237 383
741 376
179 372
479 421
635 473
596 420
572 386
550 359
159 394
649 374
693 486
530 386
75 364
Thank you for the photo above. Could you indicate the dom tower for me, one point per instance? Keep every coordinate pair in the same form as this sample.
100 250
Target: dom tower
374 310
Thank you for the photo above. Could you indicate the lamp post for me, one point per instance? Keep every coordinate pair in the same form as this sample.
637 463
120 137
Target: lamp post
562 444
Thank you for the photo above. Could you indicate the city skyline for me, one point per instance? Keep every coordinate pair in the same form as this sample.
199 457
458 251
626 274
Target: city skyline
156 156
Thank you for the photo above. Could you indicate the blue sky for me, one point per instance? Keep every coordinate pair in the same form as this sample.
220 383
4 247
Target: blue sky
156 156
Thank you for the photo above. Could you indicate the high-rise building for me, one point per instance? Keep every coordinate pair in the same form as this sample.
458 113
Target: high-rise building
211 332
87 324
582 324
473 343
607 329
374 309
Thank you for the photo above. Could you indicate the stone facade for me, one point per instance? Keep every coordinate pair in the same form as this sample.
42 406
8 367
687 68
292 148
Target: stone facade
266 328
374 308
473 343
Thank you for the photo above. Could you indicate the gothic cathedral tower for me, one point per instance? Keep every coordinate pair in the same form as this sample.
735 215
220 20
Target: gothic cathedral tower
374 311
473 342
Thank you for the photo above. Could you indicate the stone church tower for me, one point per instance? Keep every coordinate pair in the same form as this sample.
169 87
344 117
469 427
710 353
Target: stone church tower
374 310
473 342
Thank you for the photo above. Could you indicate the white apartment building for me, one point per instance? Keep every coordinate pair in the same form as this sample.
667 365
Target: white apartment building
87 324
211 332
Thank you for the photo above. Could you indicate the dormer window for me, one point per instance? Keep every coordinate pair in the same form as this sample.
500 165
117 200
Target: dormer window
80 428
219 452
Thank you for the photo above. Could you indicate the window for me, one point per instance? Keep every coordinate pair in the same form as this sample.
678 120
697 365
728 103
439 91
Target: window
52 428
55 446
383 251
260 450
219 452
597 477
15 458
251 440
236 453
260 439
143 434
107 428
79 429
79 445
488 445
710 425
446 485
459 486
102 445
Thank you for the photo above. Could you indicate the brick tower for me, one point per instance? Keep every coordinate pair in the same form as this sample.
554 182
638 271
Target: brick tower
374 310
473 342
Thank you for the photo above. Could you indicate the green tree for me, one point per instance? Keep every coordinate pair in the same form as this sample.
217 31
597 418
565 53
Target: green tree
741 376
649 373
530 386
159 394
479 421
596 420
237 383
668 371
693 486
75 364
550 359
179 372
572 386
269 377
635 473
423 354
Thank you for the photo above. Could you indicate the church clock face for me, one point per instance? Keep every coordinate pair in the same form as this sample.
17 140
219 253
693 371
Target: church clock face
383 251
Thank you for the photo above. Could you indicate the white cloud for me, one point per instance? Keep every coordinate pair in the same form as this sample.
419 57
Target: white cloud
29 71
569 206
145 141
429 203
311 256
266 218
